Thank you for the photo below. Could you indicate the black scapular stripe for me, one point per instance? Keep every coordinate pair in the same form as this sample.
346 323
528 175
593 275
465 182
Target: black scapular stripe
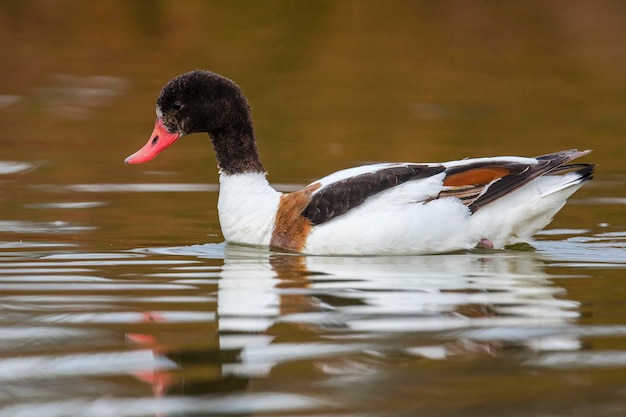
341 196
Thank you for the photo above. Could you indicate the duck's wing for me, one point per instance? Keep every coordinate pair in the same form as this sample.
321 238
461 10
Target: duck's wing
478 182
344 190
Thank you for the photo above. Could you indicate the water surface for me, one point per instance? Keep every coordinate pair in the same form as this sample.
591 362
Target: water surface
118 297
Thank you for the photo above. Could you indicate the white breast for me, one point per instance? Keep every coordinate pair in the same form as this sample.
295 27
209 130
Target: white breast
247 208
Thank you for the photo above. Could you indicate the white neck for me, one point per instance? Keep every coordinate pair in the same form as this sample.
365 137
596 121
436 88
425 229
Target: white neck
247 207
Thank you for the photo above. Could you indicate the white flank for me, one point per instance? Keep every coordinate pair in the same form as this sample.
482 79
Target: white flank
397 222
379 228
247 208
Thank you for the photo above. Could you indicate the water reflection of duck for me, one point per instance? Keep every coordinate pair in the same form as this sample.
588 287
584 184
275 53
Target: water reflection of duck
385 208
275 309
495 285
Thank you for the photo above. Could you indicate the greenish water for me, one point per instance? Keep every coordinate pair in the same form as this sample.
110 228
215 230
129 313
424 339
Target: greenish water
117 297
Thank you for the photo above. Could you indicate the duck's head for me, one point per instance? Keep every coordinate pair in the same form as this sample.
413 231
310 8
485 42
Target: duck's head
197 101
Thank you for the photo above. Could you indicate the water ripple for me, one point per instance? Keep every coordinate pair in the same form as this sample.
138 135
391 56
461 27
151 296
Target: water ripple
67 206
58 226
14 167
235 404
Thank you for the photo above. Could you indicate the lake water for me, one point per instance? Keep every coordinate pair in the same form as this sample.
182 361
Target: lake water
118 297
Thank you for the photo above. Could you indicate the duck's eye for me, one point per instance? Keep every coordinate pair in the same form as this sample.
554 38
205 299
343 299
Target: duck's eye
177 105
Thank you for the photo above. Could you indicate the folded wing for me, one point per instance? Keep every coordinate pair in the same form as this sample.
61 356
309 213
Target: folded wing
340 196
476 182
482 181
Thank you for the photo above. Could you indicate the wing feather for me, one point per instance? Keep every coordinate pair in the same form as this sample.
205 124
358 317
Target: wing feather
476 182
338 197
480 182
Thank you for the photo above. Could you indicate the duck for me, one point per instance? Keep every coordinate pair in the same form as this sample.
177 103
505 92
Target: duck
385 208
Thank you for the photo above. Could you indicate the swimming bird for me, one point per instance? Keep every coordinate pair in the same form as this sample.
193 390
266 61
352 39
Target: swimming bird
378 209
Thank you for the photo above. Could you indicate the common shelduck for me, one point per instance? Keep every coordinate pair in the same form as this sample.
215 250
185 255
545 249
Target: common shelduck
378 209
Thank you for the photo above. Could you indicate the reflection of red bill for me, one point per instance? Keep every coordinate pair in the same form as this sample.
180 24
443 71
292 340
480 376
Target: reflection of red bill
160 381
142 338
160 139
160 377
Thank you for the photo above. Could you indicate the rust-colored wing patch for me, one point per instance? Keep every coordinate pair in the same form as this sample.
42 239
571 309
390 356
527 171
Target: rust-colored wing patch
291 228
476 176
467 182
480 183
